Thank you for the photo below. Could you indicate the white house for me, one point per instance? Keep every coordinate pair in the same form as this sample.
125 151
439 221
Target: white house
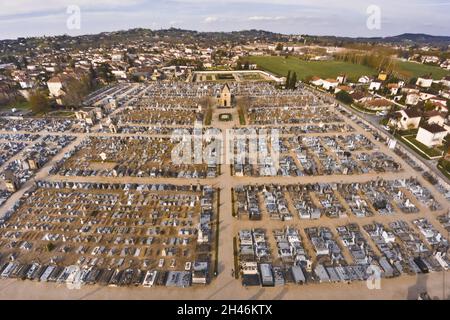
438 100
364 79
26 84
342 78
435 117
430 59
55 85
317 81
406 119
120 74
374 86
425 96
412 99
424 82
431 135
330 84
394 88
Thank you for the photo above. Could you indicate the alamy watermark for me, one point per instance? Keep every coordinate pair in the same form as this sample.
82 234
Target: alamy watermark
374 17
73 21
373 282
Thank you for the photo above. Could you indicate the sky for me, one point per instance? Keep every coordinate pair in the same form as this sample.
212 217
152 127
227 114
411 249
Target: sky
368 18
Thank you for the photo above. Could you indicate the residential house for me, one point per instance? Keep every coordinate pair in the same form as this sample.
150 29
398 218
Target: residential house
394 88
406 119
360 97
430 59
55 86
424 81
435 117
374 86
379 104
408 89
364 80
431 135
342 78
412 99
426 96
317 81
343 88
329 84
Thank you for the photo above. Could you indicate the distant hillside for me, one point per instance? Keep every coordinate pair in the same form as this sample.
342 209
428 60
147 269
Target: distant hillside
189 37
417 38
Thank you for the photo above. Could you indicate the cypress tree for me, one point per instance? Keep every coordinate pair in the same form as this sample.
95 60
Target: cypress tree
294 81
288 79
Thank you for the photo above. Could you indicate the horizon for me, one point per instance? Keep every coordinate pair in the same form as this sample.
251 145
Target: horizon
231 31
26 18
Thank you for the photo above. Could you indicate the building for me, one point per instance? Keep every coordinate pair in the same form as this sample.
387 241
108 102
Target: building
406 119
342 78
330 84
11 183
374 86
412 99
394 88
431 135
360 97
55 86
435 117
424 82
318 82
379 104
225 98
343 88
364 79
88 114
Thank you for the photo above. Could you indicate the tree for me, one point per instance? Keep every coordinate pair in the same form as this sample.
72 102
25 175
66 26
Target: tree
344 97
104 72
76 90
446 143
91 76
39 102
288 79
294 81
428 106
279 47
49 247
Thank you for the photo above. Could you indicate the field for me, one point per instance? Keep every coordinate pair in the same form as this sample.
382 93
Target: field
305 69
23 105
331 69
418 69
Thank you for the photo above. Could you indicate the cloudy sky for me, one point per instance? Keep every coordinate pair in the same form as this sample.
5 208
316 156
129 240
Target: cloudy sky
20 18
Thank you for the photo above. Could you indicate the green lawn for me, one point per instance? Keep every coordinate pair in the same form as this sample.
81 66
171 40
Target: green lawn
430 152
418 69
444 167
331 69
23 105
305 69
